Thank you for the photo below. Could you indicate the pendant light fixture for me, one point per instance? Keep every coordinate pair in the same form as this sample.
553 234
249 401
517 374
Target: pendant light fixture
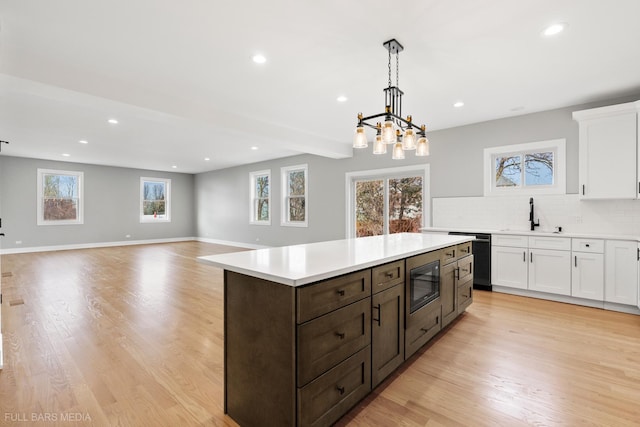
396 130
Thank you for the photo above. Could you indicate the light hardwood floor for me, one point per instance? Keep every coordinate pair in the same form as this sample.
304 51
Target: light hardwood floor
133 336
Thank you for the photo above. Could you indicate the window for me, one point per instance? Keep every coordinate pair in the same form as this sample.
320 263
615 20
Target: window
532 168
260 197
155 200
294 196
60 197
387 201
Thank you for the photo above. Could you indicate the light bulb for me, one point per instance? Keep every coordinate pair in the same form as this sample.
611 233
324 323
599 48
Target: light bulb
409 140
388 133
360 138
398 152
379 147
423 146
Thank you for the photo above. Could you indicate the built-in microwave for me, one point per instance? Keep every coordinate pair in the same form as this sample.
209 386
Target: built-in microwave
424 284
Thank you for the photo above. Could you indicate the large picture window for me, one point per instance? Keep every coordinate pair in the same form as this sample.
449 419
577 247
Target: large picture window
60 197
260 197
533 168
155 200
387 201
294 196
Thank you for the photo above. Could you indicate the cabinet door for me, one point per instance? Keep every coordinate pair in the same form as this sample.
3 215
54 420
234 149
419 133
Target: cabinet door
509 266
448 293
387 332
621 272
604 142
587 276
550 271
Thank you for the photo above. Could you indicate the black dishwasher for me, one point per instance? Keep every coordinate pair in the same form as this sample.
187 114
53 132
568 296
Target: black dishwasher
481 248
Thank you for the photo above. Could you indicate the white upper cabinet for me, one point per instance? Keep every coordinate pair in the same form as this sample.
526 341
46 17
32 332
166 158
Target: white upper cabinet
608 152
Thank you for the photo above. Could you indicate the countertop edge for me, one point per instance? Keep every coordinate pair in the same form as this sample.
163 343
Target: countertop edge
305 280
534 233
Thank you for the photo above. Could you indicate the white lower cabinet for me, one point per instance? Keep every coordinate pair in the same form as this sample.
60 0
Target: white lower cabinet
621 272
509 266
587 276
550 271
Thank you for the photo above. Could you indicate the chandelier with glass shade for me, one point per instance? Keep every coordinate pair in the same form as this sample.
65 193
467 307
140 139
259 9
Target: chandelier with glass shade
396 130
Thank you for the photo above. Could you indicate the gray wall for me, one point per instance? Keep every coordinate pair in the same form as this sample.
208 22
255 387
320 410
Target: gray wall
111 206
456 169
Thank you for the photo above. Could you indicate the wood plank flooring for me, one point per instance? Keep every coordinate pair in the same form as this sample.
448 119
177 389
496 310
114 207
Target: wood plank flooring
133 336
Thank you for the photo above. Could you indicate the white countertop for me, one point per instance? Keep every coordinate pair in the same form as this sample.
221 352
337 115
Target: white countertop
302 264
594 235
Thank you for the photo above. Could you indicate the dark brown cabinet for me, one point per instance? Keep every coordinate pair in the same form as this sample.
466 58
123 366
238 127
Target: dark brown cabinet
304 356
449 292
387 332
456 277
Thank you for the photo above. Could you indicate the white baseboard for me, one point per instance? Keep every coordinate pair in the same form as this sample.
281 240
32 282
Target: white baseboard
93 245
231 243
567 299
127 243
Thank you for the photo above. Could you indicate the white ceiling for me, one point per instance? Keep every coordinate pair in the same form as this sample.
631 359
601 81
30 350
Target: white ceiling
178 75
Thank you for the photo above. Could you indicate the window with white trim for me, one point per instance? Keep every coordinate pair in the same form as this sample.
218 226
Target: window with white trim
387 201
260 197
155 200
60 197
531 168
295 196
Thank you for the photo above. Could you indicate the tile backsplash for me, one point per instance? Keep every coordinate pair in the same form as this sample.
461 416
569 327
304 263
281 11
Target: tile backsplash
616 217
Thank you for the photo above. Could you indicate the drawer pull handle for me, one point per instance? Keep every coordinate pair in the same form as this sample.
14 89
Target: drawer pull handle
388 274
464 270
340 335
377 307
340 390
586 244
456 273
449 254
341 292
425 330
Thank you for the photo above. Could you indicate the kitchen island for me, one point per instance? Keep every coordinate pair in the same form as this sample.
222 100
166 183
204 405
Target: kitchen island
310 329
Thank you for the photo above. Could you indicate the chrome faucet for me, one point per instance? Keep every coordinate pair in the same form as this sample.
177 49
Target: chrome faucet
533 223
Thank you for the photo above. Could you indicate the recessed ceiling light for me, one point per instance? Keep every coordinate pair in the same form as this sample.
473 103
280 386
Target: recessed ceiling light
259 59
254 148
83 141
174 166
113 121
206 159
458 104
66 155
554 29
342 98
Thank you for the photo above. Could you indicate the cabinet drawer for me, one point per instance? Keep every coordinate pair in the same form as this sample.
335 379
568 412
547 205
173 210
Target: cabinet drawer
595 246
465 266
320 298
422 325
387 276
510 240
464 249
330 396
448 255
543 242
328 340
465 294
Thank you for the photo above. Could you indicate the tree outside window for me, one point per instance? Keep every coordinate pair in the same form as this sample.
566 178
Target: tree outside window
155 200
260 197
294 204
400 198
60 198
528 168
